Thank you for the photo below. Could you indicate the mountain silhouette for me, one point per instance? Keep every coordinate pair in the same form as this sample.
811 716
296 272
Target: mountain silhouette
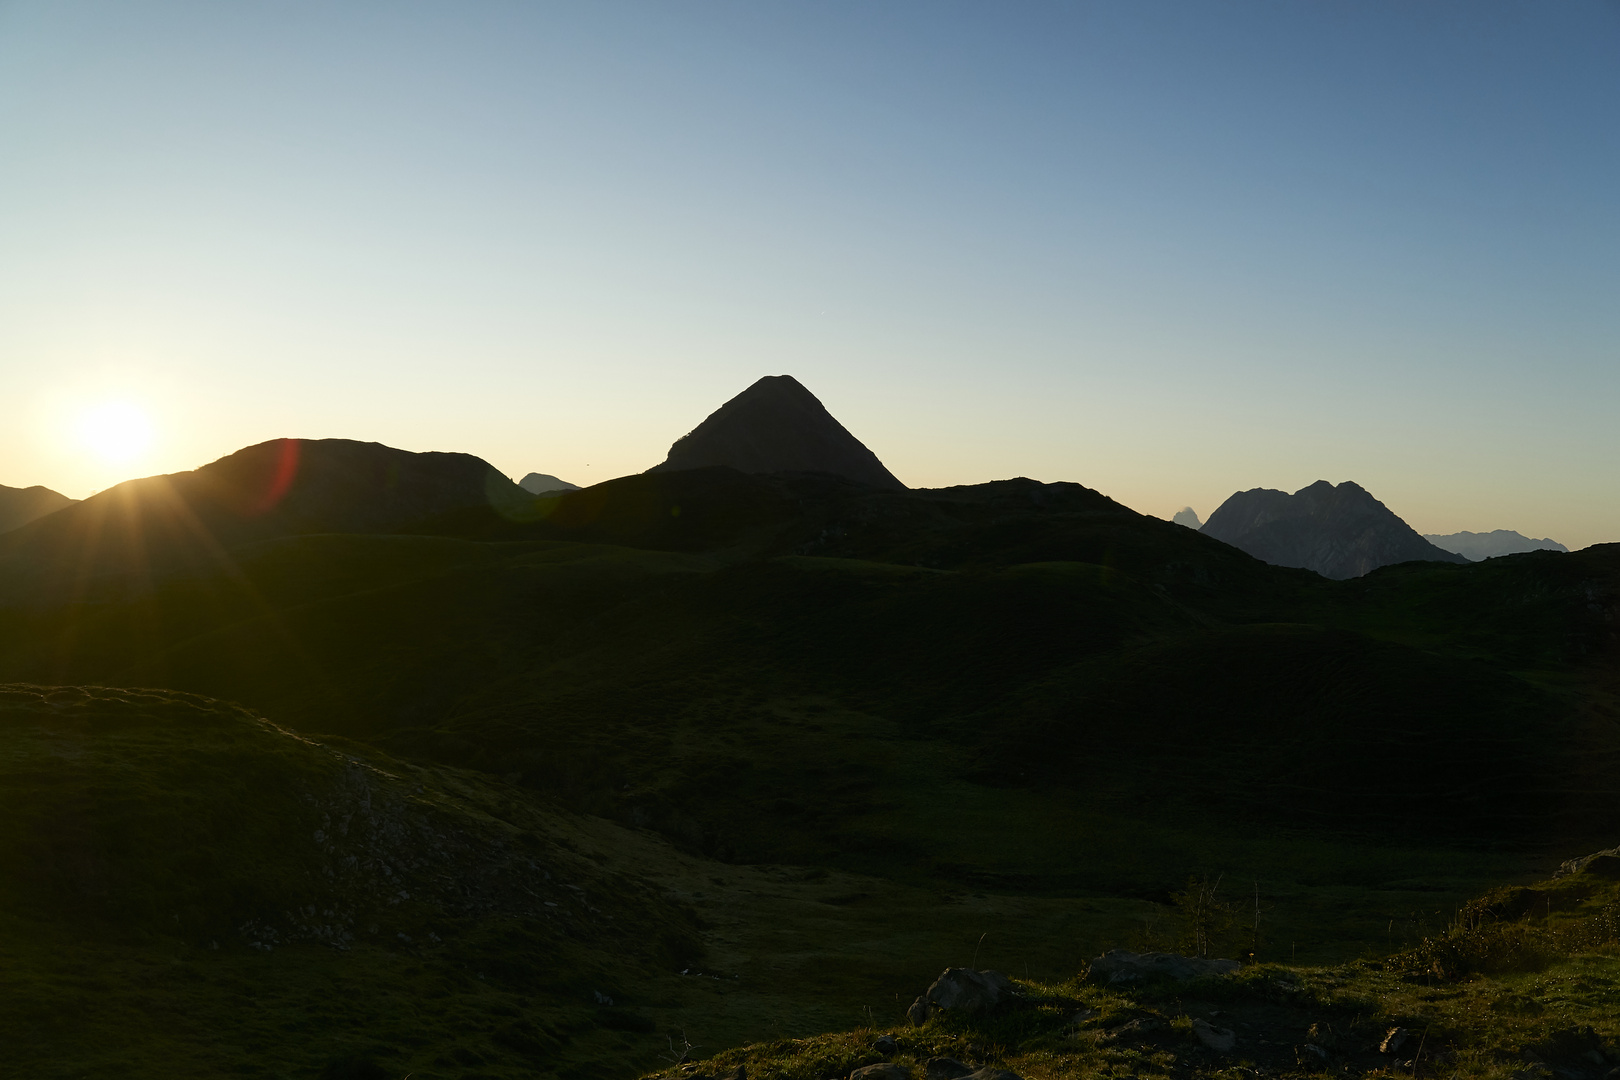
776 426
1340 532
1187 516
19 506
277 488
1481 546
539 483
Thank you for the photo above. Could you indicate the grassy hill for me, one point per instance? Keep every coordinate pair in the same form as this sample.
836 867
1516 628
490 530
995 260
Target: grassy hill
813 740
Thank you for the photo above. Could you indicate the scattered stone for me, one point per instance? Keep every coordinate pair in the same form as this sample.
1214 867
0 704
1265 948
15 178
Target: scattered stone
945 1068
883 1071
1393 1041
1137 1029
886 1044
963 990
1119 966
1219 1039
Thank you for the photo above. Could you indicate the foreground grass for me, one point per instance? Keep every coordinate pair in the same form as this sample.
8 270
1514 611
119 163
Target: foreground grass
1525 984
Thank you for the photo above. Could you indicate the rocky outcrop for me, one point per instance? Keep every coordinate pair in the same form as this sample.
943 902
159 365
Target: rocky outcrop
1120 967
1482 546
882 1071
775 426
19 506
1599 864
1338 531
962 990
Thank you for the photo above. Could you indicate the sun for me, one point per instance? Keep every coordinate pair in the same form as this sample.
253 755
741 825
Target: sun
116 431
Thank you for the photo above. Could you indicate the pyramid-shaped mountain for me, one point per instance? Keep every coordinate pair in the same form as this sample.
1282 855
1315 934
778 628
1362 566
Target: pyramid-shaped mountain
1340 532
776 426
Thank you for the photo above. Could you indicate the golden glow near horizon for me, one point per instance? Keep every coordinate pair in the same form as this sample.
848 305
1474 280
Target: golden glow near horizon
115 431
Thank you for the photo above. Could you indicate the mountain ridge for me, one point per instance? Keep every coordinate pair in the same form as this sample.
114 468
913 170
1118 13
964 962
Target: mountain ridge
1489 545
1338 531
275 488
19 506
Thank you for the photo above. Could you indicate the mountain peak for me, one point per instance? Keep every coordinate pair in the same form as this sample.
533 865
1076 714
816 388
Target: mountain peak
776 425
1339 531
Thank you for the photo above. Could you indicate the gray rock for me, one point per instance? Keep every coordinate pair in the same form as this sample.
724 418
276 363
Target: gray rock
1219 1039
886 1044
1119 966
945 1068
962 990
1393 1041
884 1071
990 1072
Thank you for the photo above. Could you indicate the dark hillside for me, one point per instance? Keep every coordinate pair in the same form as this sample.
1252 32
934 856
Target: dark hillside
285 487
288 886
19 506
874 724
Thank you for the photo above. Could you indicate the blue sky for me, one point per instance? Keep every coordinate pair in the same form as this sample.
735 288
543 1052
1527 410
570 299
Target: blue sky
1167 250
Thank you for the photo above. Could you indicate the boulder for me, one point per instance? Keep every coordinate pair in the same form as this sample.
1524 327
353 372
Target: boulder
1119 966
883 1071
886 1045
1219 1039
945 1068
963 990
990 1072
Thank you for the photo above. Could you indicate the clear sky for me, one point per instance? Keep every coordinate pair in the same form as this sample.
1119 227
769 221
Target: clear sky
1167 250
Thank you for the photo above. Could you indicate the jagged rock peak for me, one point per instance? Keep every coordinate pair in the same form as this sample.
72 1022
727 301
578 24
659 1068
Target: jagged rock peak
1189 517
776 425
1339 531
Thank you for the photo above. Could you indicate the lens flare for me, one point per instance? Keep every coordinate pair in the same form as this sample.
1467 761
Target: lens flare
117 432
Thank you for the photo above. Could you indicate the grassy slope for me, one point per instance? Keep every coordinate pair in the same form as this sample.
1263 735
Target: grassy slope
972 746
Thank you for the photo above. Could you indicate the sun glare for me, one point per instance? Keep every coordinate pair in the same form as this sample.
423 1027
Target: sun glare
117 432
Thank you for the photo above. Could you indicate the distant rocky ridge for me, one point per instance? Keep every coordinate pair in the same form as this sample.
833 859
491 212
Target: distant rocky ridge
19 506
1189 517
284 487
539 483
777 426
1340 532
1481 546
